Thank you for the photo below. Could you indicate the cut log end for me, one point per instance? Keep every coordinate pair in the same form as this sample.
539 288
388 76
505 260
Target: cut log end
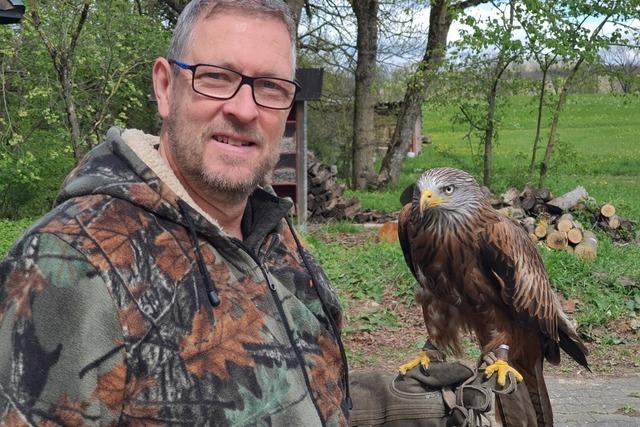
540 230
557 240
574 235
388 232
587 249
614 222
565 224
608 210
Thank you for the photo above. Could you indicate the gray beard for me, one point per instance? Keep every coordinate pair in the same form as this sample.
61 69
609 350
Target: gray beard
215 184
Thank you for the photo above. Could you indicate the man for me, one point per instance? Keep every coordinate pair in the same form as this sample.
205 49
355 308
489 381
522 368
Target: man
166 286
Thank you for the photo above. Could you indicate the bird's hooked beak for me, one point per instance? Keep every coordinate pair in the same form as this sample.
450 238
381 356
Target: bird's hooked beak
429 200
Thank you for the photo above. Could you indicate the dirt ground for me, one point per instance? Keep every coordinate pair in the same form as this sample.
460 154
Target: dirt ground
387 347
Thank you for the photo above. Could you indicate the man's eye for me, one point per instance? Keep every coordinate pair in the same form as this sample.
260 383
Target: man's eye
215 76
448 190
270 85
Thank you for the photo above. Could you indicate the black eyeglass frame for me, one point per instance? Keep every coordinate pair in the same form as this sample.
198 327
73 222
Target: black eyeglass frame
244 79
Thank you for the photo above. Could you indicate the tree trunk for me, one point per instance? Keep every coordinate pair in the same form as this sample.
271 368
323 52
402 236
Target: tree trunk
364 140
62 59
70 109
440 19
564 91
536 140
488 135
501 66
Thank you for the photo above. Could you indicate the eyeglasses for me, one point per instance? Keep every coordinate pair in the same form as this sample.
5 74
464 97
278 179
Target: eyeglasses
222 83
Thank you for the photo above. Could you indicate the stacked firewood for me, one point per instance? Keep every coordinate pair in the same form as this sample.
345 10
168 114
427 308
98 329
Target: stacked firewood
551 220
562 232
325 199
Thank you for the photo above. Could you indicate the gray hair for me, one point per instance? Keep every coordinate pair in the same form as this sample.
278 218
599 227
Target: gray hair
197 9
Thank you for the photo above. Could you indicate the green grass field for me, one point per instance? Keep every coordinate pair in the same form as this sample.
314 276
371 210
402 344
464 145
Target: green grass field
598 148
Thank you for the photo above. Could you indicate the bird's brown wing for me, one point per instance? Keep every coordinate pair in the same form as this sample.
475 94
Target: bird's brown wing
404 220
511 260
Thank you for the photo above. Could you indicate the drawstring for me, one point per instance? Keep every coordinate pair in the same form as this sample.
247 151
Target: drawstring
345 376
212 293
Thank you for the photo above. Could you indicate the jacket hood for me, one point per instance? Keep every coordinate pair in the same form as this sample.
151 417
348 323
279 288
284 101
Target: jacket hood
128 166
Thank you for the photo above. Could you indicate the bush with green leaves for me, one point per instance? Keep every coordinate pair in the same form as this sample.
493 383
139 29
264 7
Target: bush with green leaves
10 231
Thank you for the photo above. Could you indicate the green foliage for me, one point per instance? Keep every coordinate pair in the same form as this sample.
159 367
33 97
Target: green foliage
10 231
597 149
109 71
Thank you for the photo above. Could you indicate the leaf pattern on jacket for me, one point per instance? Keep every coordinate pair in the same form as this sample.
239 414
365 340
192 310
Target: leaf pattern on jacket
21 288
132 320
170 256
210 346
325 374
113 230
68 413
117 391
155 198
13 418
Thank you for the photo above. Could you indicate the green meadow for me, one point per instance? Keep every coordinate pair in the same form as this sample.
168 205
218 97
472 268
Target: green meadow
598 147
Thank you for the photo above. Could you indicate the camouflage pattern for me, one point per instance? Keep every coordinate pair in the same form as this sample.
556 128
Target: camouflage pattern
104 317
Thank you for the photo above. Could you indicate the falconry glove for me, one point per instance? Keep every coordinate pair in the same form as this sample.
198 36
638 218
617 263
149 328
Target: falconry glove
446 394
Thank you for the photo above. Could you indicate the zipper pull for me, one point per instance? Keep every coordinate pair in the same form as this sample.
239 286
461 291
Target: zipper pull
269 282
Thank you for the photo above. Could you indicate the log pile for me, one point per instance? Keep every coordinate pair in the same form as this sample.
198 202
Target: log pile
325 200
552 220
620 229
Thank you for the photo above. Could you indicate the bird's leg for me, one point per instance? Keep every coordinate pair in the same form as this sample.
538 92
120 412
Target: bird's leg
429 353
498 363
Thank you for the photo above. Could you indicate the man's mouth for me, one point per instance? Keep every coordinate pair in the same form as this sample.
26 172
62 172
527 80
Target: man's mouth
234 142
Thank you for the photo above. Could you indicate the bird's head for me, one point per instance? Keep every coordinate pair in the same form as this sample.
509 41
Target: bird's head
447 190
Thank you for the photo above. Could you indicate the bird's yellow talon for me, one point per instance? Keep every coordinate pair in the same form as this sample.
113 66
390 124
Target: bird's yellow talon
502 368
422 359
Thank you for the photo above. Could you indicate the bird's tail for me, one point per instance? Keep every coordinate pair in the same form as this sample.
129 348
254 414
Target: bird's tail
529 405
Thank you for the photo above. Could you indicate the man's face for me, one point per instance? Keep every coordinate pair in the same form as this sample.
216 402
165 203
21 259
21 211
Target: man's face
229 146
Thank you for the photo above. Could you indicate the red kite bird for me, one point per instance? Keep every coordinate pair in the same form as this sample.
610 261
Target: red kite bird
480 272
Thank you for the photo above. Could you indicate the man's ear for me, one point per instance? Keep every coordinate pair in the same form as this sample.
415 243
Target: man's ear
161 76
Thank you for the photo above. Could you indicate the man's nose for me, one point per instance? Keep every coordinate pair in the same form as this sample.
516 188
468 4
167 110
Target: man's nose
242 106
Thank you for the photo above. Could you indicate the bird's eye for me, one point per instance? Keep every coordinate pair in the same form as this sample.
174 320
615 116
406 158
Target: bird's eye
448 190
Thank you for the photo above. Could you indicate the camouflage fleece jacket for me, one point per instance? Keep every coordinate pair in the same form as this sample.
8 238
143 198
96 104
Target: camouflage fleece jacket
104 315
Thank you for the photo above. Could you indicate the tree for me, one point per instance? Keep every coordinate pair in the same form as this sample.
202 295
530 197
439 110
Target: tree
56 104
326 39
62 51
576 42
364 141
537 45
622 64
441 15
489 47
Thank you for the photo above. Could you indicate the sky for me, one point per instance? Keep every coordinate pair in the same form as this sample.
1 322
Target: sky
485 11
